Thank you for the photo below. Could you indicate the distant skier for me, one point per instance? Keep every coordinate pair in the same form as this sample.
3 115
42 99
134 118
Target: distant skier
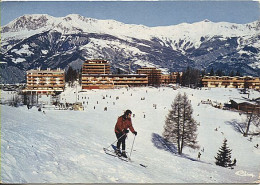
121 129
199 154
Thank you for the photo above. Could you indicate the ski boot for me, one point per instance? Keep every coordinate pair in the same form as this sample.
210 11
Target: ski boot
118 152
124 154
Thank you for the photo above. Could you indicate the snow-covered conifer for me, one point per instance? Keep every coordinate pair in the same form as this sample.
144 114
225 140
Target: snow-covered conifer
224 155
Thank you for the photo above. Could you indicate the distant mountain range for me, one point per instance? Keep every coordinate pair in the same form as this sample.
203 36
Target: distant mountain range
32 41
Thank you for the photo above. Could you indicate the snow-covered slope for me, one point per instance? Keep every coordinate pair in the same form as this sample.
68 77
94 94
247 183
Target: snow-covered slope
67 146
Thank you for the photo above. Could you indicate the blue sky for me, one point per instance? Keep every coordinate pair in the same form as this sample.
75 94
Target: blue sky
150 13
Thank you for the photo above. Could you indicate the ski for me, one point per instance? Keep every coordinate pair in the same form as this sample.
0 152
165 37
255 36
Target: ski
111 153
145 166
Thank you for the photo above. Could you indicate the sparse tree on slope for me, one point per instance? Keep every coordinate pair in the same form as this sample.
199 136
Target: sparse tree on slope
224 155
180 127
253 117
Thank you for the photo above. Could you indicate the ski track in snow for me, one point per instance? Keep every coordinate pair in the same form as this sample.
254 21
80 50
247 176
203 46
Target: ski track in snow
67 146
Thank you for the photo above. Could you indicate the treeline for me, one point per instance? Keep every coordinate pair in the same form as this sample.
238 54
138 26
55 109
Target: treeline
220 72
190 77
72 75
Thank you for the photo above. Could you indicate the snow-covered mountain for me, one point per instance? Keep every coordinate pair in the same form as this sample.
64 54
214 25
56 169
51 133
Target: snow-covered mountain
64 146
44 41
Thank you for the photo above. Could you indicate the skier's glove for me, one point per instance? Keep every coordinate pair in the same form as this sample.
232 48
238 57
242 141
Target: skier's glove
135 133
126 131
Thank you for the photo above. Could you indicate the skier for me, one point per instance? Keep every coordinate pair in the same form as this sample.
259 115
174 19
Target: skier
199 154
234 162
121 129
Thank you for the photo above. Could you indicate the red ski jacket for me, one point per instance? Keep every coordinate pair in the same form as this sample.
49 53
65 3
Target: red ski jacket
122 125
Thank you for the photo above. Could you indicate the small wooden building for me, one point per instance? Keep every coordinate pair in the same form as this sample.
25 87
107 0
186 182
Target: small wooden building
245 106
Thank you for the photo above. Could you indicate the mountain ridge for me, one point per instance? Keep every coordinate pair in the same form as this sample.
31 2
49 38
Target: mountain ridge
45 41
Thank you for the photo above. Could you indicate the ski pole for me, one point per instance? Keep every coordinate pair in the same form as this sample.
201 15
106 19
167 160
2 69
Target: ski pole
115 141
132 148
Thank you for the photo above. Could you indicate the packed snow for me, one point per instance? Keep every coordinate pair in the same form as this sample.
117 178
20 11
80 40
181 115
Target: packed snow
66 146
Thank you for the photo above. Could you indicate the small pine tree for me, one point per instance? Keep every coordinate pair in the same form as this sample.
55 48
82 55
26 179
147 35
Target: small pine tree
224 155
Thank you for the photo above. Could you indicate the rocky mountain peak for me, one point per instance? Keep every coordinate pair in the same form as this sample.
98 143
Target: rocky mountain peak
28 22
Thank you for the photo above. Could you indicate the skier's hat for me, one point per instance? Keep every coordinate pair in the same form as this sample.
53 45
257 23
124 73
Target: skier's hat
127 112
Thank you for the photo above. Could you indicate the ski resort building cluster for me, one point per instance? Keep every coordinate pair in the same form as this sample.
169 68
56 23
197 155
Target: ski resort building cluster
96 74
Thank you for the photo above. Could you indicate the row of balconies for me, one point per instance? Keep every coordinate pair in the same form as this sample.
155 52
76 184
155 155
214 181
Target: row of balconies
44 80
239 79
115 82
236 85
44 85
114 79
87 71
46 75
230 83
97 72
95 65
41 82
44 89
84 70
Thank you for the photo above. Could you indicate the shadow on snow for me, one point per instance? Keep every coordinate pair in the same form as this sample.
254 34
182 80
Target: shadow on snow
237 126
160 143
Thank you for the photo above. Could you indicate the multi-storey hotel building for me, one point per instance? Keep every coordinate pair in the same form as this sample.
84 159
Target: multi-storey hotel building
96 75
231 82
45 81
154 75
96 66
170 78
109 81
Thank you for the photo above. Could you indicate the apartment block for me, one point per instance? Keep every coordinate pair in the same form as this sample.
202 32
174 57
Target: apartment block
96 66
110 81
45 81
154 74
170 78
231 82
96 75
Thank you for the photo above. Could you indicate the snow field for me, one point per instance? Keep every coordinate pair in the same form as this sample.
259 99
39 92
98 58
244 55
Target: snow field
67 146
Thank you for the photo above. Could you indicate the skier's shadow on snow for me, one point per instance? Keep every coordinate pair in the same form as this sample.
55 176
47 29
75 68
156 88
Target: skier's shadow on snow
160 143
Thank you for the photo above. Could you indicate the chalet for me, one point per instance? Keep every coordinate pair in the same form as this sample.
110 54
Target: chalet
245 106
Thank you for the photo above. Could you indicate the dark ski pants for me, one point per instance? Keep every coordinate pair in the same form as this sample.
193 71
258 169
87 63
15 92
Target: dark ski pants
121 139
